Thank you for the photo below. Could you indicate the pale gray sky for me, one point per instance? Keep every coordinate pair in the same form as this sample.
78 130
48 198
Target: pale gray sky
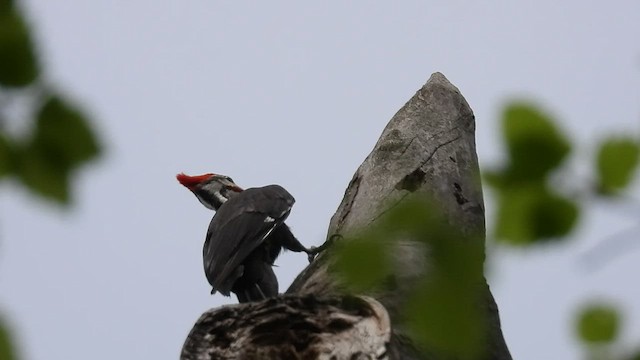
291 93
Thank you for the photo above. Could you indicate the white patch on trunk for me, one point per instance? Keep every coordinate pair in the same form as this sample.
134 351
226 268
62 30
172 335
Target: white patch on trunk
269 219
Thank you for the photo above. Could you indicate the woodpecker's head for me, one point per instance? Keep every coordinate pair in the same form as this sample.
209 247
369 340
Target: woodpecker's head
211 189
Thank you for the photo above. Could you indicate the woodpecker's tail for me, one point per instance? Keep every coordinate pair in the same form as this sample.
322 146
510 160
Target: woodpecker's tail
262 285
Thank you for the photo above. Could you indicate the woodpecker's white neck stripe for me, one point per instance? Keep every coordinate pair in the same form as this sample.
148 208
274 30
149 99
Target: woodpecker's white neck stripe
219 196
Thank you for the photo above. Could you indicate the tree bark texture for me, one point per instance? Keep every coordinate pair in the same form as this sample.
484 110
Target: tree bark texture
428 148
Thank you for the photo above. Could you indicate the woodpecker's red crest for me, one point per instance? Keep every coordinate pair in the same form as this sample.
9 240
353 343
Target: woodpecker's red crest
211 189
191 182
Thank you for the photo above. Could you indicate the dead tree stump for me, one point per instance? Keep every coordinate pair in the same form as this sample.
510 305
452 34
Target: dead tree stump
427 148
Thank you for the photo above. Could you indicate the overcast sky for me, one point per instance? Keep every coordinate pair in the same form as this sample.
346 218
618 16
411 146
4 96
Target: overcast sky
296 94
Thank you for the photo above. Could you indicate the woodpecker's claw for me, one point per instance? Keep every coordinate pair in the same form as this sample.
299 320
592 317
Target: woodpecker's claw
314 251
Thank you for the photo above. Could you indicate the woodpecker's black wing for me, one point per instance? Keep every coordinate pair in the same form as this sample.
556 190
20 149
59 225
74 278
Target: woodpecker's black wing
239 226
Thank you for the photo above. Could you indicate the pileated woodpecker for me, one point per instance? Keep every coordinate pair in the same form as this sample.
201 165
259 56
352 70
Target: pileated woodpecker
245 235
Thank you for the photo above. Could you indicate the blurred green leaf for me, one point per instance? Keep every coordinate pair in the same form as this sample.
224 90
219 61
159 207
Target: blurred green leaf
362 263
6 156
617 161
554 216
527 210
633 356
6 348
43 176
63 134
598 324
442 312
363 260
19 64
5 6
417 217
444 317
494 178
532 213
61 141
535 144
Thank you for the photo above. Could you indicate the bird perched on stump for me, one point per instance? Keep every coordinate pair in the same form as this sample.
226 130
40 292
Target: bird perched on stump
245 236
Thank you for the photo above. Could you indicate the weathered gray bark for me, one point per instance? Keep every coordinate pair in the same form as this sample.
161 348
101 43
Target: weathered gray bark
428 148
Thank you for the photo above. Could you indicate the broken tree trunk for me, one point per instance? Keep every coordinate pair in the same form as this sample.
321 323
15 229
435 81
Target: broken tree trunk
427 148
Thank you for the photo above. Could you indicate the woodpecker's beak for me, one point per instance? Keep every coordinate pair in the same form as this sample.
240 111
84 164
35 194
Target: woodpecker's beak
190 182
